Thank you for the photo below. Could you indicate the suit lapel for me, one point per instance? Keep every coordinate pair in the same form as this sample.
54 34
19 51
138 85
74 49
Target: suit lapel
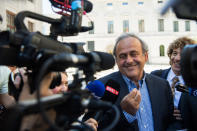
152 90
123 87
165 73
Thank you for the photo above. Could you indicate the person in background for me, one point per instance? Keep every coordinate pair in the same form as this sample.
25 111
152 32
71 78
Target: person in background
141 94
63 85
59 84
5 99
15 82
173 75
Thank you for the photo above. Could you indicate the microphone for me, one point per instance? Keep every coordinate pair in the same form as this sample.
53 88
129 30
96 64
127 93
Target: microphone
87 5
97 88
76 16
112 89
108 93
98 60
188 90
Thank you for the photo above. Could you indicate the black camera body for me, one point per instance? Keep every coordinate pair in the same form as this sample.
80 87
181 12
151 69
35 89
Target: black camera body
189 65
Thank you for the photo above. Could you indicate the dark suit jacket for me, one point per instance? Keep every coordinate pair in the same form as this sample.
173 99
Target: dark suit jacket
161 103
164 74
161 73
187 106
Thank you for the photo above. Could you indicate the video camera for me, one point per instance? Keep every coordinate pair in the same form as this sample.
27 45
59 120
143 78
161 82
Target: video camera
43 53
32 49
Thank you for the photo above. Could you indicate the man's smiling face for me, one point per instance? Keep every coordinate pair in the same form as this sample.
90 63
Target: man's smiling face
130 58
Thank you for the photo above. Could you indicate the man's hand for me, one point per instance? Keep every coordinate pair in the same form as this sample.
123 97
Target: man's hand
131 102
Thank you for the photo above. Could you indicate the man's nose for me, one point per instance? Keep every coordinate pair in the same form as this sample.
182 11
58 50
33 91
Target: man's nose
178 57
129 59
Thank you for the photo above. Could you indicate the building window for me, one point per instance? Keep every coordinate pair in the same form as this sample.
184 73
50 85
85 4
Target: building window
30 26
1 19
187 25
91 31
90 45
10 21
31 1
141 25
160 25
176 26
126 26
140 2
125 3
110 27
162 50
109 4
160 1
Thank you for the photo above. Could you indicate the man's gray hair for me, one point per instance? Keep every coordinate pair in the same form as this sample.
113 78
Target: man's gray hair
126 35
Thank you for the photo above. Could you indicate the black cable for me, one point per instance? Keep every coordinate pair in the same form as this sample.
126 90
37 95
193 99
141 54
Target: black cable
44 68
116 119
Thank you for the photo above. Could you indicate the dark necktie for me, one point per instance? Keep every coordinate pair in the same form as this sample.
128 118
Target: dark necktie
174 81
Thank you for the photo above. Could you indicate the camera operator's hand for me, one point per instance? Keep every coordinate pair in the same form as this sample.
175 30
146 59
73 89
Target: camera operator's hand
25 94
17 81
92 123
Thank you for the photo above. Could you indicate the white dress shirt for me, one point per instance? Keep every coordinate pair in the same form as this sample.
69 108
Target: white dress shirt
177 95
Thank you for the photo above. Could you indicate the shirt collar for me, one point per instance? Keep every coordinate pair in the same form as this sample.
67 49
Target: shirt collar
171 75
140 81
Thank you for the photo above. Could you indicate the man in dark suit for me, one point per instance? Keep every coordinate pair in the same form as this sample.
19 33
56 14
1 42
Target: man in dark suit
180 100
145 101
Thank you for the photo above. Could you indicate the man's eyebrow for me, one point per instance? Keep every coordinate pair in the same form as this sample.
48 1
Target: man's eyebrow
133 51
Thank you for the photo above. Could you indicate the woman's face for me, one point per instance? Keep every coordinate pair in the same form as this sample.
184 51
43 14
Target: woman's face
63 87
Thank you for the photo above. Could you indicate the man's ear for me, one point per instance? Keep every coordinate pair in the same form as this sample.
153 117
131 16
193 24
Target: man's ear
146 56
